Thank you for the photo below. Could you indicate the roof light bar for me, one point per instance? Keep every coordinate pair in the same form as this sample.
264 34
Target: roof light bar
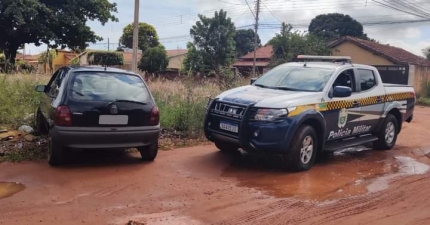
325 58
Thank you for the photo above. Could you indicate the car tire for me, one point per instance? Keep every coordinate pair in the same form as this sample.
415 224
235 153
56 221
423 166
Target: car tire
149 153
303 149
226 147
40 123
387 135
56 152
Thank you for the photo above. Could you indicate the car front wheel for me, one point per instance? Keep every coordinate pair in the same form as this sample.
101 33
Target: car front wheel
303 149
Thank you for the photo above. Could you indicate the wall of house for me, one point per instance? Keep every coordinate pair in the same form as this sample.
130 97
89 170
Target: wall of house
359 55
176 62
421 80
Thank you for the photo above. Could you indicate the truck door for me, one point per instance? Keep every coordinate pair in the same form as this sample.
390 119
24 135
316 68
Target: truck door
342 114
370 94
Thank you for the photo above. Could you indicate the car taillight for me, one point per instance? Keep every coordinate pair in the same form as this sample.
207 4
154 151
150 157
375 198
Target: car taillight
154 118
63 116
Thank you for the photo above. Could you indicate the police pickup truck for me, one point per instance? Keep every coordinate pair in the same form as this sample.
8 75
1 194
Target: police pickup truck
301 109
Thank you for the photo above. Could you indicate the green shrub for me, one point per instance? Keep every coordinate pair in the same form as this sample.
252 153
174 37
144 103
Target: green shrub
423 101
105 58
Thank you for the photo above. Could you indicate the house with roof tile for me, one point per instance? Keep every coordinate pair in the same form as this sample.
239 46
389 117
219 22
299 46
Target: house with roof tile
395 65
176 59
245 63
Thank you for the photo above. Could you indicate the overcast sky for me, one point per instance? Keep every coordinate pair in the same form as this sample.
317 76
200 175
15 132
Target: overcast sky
174 18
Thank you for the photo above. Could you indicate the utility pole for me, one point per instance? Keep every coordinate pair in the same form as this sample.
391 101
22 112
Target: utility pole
256 38
135 36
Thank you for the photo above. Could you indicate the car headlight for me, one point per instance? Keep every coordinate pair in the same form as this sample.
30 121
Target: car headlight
270 114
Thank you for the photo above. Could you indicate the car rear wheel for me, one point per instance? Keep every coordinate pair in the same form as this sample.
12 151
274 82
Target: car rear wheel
40 123
303 149
387 135
226 147
149 153
56 152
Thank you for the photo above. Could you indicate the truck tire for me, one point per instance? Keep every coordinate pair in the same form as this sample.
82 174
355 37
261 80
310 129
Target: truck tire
149 153
387 135
226 147
303 149
56 152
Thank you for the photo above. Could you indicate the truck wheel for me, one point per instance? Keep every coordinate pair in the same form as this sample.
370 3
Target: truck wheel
56 152
149 153
387 136
303 149
226 147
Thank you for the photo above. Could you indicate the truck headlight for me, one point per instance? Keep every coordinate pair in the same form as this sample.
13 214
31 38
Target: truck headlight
270 114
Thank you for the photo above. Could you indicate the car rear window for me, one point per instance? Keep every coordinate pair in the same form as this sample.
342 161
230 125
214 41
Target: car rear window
107 86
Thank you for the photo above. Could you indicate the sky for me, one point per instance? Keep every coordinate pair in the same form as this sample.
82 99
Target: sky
174 18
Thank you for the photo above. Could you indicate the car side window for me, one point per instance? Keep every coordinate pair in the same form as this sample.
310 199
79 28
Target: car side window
346 79
366 79
55 84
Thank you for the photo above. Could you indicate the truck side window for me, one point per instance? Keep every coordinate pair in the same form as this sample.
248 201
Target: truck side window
367 79
346 79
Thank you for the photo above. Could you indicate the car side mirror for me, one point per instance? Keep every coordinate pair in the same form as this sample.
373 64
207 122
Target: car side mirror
253 80
342 92
40 88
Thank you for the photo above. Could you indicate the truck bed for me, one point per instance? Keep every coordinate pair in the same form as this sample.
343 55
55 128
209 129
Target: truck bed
396 85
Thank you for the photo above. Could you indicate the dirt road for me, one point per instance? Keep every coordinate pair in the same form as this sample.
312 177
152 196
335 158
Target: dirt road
199 185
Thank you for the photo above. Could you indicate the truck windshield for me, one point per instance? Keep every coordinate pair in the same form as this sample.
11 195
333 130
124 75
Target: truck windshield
296 78
107 86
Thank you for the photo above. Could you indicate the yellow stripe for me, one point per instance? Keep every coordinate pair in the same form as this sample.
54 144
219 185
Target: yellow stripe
345 104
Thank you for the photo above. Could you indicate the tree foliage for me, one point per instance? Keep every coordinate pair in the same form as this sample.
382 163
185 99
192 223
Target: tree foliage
287 45
60 23
105 58
214 39
148 37
154 60
426 53
193 61
245 42
334 25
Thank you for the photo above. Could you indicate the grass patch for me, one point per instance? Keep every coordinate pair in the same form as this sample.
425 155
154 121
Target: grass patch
18 98
423 101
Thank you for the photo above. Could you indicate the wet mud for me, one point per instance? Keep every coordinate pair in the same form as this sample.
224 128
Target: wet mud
7 189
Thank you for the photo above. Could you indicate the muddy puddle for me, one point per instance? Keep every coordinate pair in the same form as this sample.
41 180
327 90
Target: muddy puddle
346 173
9 189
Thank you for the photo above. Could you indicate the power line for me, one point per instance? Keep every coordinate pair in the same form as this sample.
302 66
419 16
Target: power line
265 6
252 11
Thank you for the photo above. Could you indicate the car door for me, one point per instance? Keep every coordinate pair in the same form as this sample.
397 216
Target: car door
342 114
49 99
370 92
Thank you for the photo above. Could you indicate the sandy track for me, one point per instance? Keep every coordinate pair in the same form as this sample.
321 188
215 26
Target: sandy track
199 185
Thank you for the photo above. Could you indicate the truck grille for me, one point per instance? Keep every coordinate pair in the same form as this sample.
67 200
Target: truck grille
229 110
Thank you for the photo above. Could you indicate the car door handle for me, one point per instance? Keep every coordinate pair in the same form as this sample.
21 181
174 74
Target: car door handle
355 104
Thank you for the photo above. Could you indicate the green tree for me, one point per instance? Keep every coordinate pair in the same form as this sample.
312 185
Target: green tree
245 42
287 45
193 62
334 25
56 23
48 58
148 37
154 60
214 38
426 53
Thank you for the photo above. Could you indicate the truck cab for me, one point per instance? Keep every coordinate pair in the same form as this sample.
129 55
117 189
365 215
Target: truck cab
300 109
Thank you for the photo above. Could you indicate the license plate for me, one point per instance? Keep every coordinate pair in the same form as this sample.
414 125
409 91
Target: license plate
113 120
229 127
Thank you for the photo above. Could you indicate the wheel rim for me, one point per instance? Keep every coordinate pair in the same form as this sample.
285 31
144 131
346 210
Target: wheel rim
390 133
307 150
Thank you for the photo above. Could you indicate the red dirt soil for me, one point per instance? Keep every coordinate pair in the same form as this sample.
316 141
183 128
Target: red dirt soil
199 185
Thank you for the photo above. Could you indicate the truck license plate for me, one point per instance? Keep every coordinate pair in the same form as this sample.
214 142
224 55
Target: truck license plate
229 127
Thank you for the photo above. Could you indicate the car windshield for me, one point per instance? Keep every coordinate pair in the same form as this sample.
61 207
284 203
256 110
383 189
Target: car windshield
296 78
109 87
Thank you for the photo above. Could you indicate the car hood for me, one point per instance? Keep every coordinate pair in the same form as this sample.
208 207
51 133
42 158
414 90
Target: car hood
265 97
